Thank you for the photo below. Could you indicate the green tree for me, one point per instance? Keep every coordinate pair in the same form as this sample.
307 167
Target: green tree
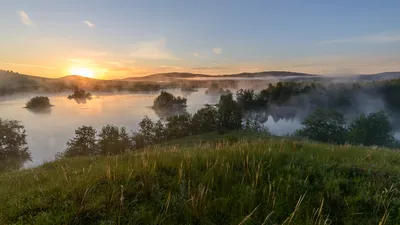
178 126
39 102
113 140
324 125
229 114
13 146
374 129
83 144
145 136
205 120
159 132
245 98
167 101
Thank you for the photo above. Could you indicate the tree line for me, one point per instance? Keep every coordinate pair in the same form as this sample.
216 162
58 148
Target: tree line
225 116
328 125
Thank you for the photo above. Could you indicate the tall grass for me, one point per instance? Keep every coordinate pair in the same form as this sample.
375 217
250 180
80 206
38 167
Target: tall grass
250 181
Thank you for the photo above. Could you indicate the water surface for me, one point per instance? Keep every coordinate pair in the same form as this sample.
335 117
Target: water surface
49 132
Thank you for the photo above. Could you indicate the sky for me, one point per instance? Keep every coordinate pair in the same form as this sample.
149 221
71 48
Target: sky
118 39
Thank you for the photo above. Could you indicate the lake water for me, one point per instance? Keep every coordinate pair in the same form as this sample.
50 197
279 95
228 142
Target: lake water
49 132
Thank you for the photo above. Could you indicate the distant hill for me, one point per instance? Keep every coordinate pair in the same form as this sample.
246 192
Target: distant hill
11 82
176 75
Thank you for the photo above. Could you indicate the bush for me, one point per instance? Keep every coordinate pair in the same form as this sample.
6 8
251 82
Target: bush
374 129
39 102
13 146
324 125
83 144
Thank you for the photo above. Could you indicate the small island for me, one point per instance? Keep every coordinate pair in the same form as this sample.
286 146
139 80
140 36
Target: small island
38 103
166 105
80 94
167 101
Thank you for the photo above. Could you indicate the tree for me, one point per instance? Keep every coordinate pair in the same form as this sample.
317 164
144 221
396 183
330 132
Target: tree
205 120
38 102
113 140
159 132
324 125
178 126
13 146
145 136
167 101
245 98
374 129
83 144
229 114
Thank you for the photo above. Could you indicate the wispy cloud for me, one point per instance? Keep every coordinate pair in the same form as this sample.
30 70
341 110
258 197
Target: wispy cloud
152 50
384 37
27 65
198 55
23 16
217 50
89 24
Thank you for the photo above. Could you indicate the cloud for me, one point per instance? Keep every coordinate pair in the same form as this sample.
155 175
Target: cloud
217 50
152 50
27 65
384 37
23 16
198 55
89 24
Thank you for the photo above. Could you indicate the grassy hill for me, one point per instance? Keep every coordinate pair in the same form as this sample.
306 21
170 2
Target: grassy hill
211 179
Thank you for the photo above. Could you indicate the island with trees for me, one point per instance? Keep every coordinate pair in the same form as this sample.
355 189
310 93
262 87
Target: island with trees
38 103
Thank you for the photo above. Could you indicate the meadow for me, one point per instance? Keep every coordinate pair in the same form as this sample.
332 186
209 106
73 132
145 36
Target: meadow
235 178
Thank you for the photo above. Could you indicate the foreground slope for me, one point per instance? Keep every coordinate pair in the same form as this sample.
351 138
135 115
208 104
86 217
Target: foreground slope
226 180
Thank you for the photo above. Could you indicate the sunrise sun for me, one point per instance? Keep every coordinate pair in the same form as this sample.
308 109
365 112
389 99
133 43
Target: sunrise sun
84 72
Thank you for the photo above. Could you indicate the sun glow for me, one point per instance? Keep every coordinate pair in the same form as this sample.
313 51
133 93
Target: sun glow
84 72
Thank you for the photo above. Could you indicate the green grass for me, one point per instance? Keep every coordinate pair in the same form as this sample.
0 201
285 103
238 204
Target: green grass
225 180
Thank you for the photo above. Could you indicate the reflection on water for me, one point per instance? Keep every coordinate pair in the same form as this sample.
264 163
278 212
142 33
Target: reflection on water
282 127
40 111
49 132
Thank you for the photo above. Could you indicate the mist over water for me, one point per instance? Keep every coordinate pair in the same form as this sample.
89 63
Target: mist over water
48 132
